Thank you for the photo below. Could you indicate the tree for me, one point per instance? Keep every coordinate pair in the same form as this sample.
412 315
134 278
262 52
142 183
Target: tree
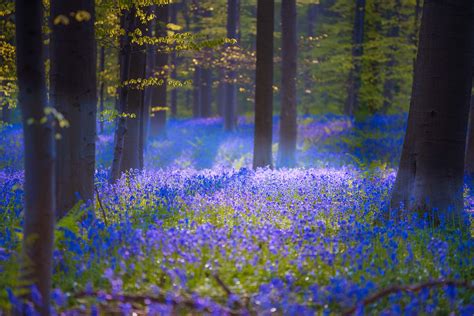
230 106
39 186
469 155
430 175
206 92
174 62
354 83
126 23
262 152
74 94
159 94
288 124
390 84
102 86
197 76
132 154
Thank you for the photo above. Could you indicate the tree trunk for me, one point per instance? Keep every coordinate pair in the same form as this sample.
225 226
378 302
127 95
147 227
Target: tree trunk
197 92
416 29
206 92
354 83
102 85
74 94
230 108
174 64
262 152
126 23
39 186
390 84
430 176
288 123
149 73
159 94
132 155
221 90
312 14
469 155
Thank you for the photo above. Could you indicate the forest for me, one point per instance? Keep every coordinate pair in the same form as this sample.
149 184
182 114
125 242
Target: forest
236 157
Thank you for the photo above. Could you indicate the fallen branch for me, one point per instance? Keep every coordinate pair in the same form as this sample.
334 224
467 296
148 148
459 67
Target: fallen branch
408 288
219 281
162 299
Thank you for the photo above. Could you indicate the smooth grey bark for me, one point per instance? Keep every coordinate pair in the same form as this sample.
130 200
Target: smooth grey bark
312 16
174 63
126 23
390 84
416 28
288 113
39 186
74 94
159 93
230 106
354 82
102 86
262 152
206 92
132 155
221 90
430 176
197 92
469 155
149 73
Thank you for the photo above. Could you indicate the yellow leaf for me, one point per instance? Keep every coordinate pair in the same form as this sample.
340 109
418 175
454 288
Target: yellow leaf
83 16
174 27
61 19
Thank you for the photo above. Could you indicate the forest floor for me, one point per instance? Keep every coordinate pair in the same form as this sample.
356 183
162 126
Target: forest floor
200 231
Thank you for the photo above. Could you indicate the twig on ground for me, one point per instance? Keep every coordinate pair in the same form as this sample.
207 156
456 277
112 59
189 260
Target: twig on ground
162 299
408 288
221 283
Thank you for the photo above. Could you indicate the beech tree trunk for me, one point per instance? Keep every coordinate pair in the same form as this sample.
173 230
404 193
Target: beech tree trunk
206 92
102 86
126 23
149 73
221 93
430 176
354 82
159 94
74 94
262 152
132 155
390 84
312 14
174 63
288 114
230 108
197 92
39 186
469 155
416 29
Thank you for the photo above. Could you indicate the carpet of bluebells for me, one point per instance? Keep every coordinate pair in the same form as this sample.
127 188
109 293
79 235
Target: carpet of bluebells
200 232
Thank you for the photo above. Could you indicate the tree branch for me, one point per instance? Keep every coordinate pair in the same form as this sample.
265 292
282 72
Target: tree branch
408 288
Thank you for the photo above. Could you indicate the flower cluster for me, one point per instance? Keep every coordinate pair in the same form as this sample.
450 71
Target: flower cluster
223 241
